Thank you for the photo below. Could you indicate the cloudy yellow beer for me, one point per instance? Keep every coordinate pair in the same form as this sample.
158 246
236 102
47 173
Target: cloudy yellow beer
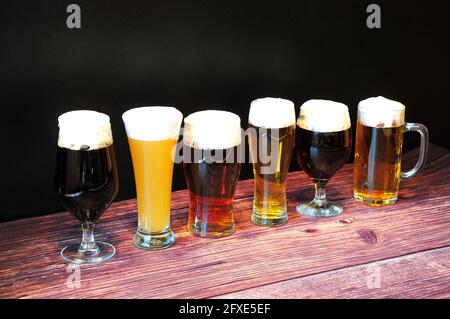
152 134
153 168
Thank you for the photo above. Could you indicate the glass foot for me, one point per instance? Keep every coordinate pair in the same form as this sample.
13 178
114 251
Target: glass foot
312 210
153 241
102 252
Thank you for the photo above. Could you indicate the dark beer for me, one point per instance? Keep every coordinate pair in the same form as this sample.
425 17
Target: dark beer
322 154
86 181
323 144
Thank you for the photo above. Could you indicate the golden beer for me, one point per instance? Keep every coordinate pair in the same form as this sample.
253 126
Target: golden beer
271 136
377 163
378 151
152 136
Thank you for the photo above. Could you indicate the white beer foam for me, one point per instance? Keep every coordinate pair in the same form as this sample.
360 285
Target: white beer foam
84 130
381 112
153 123
272 112
324 116
212 129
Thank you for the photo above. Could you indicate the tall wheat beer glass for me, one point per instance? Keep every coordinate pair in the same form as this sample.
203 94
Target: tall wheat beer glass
271 136
211 144
378 151
152 135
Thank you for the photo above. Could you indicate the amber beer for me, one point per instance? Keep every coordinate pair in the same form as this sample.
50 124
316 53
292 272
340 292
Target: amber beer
271 137
378 151
152 136
211 142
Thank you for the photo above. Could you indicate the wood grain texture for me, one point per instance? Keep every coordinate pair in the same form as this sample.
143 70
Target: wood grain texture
30 266
419 275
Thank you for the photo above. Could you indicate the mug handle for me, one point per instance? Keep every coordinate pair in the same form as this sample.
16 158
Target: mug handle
423 152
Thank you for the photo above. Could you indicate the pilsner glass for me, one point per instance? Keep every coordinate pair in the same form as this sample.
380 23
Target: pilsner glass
152 136
323 144
211 142
378 151
271 139
86 178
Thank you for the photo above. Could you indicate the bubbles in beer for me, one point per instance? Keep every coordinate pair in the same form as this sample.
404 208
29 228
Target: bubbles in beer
324 116
272 112
153 123
212 129
84 130
381 112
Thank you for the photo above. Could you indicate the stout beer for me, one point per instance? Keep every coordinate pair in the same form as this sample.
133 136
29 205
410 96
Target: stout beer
86 178
323 144
322 154
86 181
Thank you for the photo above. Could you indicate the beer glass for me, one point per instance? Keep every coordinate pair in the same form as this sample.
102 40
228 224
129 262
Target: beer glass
152 136
211 141
86 178
378 151
271 137
323 145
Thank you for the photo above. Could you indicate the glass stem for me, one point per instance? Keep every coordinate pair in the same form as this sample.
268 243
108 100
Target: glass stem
320 198
88 244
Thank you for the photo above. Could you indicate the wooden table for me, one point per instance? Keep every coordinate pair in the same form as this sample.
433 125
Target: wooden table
398 251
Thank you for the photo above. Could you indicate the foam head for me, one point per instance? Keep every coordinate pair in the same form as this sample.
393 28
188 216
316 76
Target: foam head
153 123
324 116
84 130
381 112
212 129
272 112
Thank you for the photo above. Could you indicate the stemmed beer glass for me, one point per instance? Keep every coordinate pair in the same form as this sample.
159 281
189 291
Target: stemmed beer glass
86 178
323 144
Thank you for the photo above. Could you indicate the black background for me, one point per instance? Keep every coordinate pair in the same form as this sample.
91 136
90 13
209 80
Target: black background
203 54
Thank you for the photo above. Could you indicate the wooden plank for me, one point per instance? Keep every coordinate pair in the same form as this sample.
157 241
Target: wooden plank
419 275
30 266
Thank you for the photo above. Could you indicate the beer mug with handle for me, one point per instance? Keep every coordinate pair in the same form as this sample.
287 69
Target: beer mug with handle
378 151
